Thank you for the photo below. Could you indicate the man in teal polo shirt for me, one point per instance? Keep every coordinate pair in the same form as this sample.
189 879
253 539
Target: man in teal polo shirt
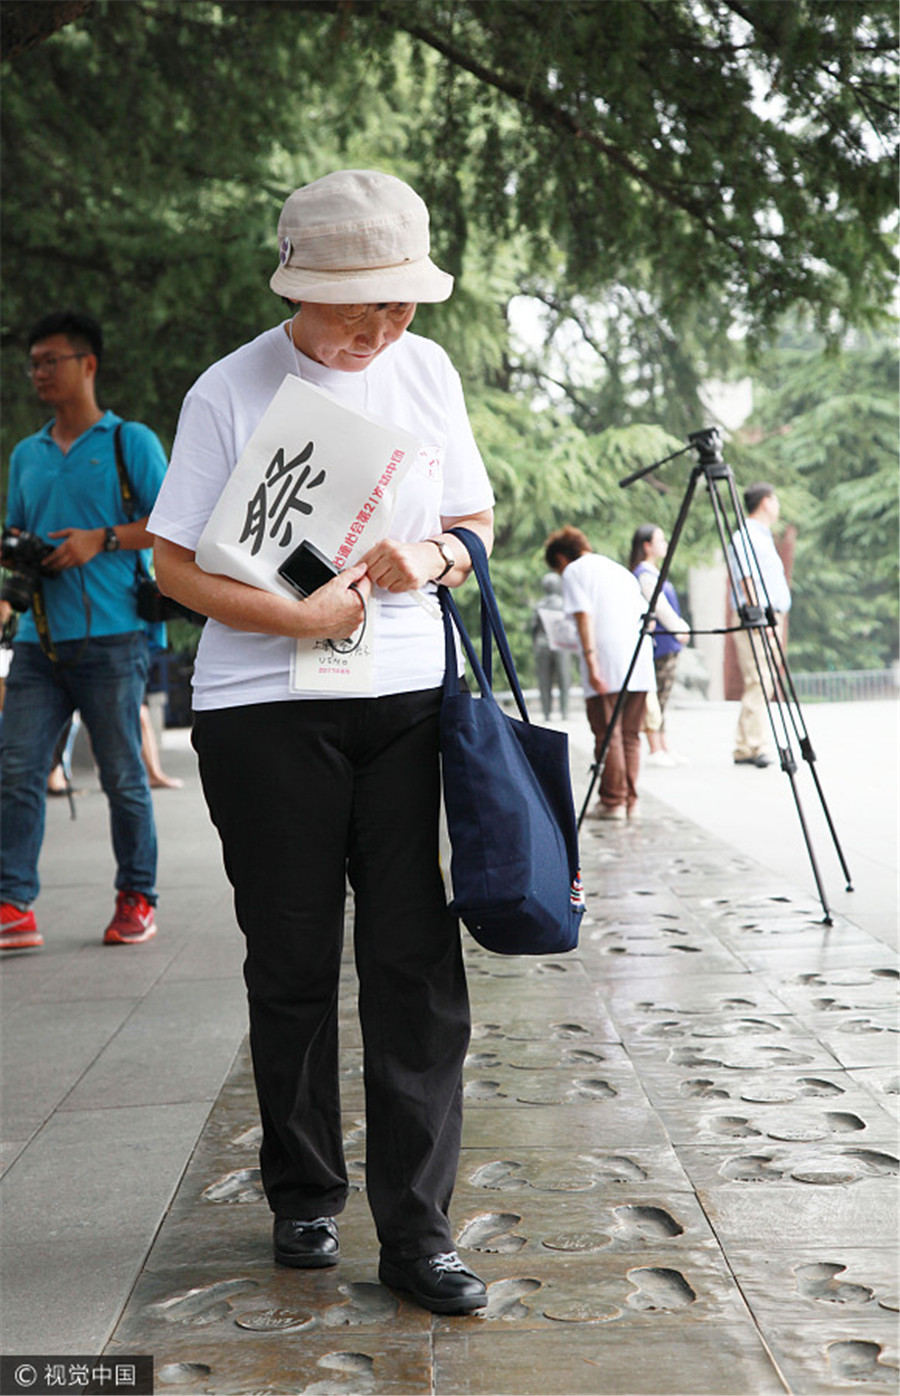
90 653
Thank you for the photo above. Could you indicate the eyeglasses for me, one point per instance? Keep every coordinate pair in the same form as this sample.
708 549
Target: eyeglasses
50 363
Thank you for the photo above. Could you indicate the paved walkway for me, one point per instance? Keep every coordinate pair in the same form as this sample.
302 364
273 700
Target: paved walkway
680 1151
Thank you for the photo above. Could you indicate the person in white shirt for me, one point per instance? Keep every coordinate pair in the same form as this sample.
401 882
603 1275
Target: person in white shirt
309 789
760 572
606 603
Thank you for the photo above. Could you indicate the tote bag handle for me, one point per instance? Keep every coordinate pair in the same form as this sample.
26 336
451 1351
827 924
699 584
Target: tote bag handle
491 625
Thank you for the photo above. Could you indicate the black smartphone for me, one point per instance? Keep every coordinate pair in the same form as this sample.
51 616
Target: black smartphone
307 569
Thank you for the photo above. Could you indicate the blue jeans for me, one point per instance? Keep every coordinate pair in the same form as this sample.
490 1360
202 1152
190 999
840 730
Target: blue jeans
105 680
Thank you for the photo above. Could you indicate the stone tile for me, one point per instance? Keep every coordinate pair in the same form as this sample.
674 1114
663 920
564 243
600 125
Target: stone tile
177 1044
883 1082
653 949
625 1359
848 990
492 1048
80 1207
586 1220
287 1359
667 1083
738 995
836 1356
863 1039
631 1125
583 1084
824 1284
46 1052
763 1122
754 1055
506 1174
816 1165
783 1216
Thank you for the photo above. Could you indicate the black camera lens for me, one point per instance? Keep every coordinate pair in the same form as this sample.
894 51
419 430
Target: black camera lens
17 591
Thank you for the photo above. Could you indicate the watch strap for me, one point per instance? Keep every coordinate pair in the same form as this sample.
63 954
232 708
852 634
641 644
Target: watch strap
449 559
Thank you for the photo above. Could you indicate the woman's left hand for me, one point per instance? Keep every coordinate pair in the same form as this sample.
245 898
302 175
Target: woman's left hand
402 566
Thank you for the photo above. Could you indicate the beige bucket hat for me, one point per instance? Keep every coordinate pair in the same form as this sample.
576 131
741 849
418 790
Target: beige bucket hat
356 236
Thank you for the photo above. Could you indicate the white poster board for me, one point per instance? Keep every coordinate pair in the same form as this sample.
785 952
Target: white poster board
560 629
312 469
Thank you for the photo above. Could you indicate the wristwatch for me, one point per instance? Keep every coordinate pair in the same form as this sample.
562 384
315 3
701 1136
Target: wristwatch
449 559
110 541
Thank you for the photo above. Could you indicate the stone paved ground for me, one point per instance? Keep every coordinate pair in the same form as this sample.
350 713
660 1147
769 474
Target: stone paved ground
679 1163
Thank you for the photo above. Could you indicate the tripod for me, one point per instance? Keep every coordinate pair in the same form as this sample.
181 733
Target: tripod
757 617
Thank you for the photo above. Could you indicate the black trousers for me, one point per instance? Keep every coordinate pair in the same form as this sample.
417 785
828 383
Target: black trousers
305 795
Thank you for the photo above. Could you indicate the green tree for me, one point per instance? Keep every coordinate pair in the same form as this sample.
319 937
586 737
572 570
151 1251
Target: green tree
825 432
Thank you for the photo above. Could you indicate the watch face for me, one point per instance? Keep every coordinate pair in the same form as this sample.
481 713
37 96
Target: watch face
111 542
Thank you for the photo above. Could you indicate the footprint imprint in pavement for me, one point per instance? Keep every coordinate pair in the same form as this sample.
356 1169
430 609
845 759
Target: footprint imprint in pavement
250 1138
579 1175
702 1088
806 1086
201 1306
592 1089
492 1232
241 1185
733 1127
751 1058
483 1090
647 1223
860 1361
501 1174
657 1289
817 1281
365 1303
355 1375
848 1166
616 1168
180 1373
505 1298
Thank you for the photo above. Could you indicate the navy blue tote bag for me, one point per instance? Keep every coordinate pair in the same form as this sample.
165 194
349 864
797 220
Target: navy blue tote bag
508 798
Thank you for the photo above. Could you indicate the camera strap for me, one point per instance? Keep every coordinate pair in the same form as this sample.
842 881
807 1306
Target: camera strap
39 611
140 571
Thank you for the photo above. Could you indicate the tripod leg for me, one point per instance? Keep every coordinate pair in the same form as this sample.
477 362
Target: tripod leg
778 708
809 756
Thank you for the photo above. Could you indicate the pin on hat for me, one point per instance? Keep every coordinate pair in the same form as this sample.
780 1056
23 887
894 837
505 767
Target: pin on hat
356 236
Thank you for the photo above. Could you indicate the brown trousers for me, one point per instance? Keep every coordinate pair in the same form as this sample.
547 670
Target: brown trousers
618 784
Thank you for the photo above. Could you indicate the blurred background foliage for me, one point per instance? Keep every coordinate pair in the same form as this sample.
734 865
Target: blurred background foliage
637 197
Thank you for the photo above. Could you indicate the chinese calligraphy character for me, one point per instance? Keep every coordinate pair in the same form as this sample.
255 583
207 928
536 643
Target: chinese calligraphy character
277 496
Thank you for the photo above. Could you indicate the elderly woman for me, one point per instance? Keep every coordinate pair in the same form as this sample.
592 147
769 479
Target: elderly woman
308 790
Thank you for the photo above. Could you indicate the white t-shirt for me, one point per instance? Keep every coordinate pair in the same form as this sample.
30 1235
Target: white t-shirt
612 597
759 559
412 384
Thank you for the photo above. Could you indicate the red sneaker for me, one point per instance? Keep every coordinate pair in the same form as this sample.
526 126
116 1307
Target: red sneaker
18 928
132 921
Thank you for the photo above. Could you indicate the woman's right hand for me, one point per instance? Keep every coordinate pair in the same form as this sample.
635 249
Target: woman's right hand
337 609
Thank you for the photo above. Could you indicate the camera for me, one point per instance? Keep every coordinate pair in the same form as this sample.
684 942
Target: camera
24 555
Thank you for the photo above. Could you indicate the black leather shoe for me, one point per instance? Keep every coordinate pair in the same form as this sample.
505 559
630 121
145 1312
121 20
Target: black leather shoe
439 1282
760 761
307 1245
